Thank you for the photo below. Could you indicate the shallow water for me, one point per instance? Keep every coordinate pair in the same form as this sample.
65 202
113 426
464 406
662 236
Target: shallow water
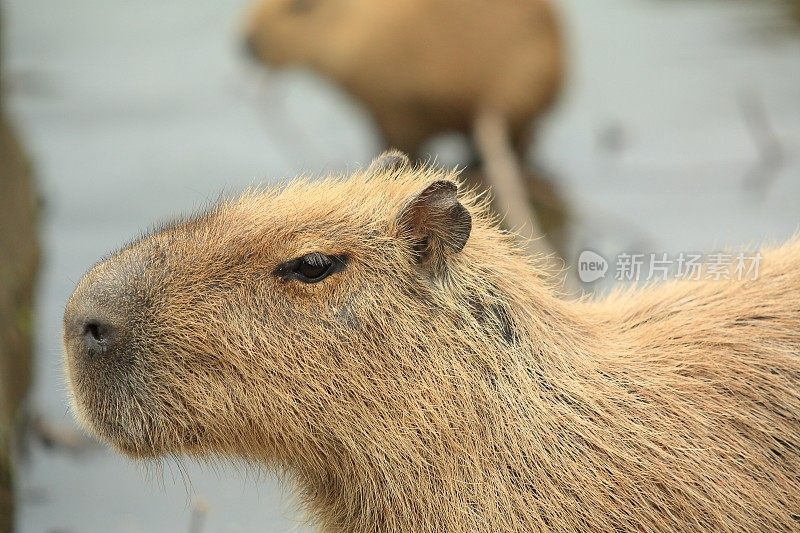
134 112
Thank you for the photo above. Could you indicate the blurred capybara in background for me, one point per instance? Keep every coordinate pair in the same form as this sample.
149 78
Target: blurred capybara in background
487 68
19 254
422 67
380 340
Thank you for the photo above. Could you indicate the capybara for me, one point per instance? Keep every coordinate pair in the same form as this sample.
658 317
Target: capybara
381 341
422 67
487 68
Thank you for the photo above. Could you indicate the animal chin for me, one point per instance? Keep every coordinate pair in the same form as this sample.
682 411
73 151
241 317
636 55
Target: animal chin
149 441
137 446
105 422
134 451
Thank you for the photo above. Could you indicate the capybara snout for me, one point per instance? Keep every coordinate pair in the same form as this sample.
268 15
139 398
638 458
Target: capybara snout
106 311
139 380
109 332
92 331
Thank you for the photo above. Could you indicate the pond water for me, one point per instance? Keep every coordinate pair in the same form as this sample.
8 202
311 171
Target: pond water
680 131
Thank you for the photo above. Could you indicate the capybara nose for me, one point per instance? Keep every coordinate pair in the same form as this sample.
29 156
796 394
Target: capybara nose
97 336
89 331
94 320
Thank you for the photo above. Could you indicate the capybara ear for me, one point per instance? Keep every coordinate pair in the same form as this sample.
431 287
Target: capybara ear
436 222
388 161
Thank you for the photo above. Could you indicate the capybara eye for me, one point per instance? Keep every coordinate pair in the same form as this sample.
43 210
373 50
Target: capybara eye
314 267
311 268
301 6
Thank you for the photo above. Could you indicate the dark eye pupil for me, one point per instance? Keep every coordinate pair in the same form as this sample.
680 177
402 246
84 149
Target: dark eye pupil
310 268
313 266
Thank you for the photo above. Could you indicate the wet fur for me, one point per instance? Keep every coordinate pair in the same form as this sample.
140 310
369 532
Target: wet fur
466 397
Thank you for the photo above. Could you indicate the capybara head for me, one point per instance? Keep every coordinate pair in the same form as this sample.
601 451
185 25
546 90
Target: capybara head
235 330
284 32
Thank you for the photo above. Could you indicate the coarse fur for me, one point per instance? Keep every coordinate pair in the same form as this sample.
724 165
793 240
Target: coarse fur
437 382
422 67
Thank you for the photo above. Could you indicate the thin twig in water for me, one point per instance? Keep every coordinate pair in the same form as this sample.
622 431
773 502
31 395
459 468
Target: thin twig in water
198 518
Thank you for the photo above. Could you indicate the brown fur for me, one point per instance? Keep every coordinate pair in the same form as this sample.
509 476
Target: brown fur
438 383
422 67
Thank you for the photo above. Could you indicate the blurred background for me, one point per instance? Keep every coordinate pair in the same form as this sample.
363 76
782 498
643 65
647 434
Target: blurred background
677 128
